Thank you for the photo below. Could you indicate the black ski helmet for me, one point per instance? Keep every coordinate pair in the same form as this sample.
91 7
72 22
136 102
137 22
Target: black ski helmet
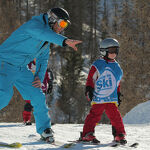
107 43
57 13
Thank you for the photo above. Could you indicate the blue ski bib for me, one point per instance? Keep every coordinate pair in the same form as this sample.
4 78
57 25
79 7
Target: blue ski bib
110 74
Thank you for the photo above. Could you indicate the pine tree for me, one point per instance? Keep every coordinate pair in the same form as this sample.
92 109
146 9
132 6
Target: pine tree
71 78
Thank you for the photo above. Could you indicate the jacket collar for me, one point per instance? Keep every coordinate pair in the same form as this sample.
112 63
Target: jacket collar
45 18
109 60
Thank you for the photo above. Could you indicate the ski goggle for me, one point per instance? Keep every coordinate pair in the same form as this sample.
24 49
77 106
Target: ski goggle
62 23
112 50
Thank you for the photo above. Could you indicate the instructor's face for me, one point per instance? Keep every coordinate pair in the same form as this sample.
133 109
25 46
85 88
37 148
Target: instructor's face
57 28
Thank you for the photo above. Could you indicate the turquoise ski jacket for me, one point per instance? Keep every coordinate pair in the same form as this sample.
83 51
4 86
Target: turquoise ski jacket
29 41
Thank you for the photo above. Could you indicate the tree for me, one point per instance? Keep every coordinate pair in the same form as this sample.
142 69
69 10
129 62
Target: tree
132 34
71 79
9 22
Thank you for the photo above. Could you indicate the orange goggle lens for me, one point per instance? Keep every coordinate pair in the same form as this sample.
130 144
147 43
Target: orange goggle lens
63 23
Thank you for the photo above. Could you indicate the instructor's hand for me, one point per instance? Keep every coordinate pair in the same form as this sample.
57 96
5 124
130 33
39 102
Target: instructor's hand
73 43
37 82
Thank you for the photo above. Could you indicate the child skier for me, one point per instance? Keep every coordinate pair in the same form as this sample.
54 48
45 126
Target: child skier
47 86
102 88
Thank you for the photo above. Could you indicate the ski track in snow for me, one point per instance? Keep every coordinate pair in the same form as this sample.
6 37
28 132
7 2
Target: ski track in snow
17 132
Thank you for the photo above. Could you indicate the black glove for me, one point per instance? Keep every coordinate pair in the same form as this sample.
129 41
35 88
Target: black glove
89 92
119 100
50 87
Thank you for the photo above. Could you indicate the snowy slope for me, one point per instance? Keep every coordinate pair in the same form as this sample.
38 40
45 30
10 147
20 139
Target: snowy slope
139 114
16 132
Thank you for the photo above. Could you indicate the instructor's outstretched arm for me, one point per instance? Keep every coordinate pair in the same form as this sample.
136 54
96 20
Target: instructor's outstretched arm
73 43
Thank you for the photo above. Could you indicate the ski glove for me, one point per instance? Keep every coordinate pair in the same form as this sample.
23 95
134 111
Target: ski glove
89 92
119 100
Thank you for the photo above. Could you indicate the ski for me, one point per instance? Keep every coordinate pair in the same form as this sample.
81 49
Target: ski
58 143
119 144
68 145
116 145
134 145
73 143
83 142
12 145
55 143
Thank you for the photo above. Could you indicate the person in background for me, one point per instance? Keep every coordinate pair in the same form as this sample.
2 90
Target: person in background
47 87
29 41
102 89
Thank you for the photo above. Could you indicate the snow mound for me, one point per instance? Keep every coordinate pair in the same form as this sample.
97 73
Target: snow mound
139 114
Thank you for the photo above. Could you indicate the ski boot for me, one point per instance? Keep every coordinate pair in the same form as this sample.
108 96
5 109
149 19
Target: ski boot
89 137
47 135
120 139
28 123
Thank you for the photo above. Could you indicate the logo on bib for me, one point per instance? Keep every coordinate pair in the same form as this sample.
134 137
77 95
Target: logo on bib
106 84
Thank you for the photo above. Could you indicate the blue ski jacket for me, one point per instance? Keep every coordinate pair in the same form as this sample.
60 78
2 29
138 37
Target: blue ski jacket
29 41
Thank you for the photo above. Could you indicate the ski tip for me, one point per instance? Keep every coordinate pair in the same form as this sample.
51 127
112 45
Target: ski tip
16 145
134 145
68 145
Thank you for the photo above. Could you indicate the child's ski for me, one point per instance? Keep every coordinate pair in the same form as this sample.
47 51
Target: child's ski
134 145
12 145
73 143
119 144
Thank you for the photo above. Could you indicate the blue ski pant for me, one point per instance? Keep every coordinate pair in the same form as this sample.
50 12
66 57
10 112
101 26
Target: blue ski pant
22 79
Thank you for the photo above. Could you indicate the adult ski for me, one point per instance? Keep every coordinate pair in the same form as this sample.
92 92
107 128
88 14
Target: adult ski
55 143
12 145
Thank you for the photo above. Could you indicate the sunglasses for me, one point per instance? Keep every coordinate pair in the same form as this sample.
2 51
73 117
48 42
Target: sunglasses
62 23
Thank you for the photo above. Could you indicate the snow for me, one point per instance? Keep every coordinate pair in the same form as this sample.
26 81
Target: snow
137 126
17 132
139 114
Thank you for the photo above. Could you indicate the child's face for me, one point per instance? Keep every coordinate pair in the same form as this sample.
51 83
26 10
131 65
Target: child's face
112 56
112 52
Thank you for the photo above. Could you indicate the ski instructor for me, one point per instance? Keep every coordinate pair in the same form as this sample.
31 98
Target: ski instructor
29 41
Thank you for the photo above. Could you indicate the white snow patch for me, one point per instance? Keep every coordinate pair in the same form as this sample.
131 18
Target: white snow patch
16 132
139 114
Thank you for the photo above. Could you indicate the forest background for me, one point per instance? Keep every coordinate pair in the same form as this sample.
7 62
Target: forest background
91 21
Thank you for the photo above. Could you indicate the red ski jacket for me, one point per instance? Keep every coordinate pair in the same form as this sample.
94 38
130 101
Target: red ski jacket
32 67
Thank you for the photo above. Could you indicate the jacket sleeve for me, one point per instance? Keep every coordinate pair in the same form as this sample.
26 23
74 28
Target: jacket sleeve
40 31
41 64
91 77
46 78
